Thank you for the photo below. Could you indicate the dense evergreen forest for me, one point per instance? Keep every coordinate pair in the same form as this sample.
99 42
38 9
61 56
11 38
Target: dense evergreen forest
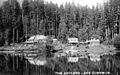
38 17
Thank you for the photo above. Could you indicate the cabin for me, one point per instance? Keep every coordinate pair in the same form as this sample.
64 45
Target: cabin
35 39
55 41
73 41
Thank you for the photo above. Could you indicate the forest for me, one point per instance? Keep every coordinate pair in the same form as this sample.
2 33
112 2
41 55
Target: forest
18 22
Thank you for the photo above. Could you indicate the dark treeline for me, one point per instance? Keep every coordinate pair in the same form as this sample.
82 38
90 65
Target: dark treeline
69 20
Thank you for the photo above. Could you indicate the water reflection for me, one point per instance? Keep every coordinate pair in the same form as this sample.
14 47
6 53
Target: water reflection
20 66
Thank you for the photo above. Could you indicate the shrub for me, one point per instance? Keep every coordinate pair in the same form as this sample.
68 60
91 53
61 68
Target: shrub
108 42
117 42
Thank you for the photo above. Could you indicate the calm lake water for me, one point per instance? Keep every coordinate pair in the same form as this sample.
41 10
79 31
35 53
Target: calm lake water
108 65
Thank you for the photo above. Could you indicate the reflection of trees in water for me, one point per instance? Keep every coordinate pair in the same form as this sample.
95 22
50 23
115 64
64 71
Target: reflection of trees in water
107 64
110 64
10 65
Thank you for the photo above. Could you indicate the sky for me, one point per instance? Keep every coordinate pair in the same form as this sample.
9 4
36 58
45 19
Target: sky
89 3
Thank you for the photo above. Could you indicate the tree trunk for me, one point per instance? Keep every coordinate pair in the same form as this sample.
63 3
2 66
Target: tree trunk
119 26
6 37
17 35
13 35
112 34
26 29
106 33
37 23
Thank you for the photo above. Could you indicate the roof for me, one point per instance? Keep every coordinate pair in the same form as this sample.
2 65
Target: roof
54 39
93 40
35 38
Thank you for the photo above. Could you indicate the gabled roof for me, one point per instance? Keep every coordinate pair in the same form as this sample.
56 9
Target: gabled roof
35 38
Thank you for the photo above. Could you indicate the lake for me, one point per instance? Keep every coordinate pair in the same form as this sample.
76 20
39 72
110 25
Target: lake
18 65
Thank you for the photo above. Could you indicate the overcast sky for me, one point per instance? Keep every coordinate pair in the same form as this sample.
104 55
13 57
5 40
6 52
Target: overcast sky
81 2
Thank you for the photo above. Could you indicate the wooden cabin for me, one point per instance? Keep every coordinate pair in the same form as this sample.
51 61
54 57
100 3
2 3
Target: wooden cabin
73 41
35 39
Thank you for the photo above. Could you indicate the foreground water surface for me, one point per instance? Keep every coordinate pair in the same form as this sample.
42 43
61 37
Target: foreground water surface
16 65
